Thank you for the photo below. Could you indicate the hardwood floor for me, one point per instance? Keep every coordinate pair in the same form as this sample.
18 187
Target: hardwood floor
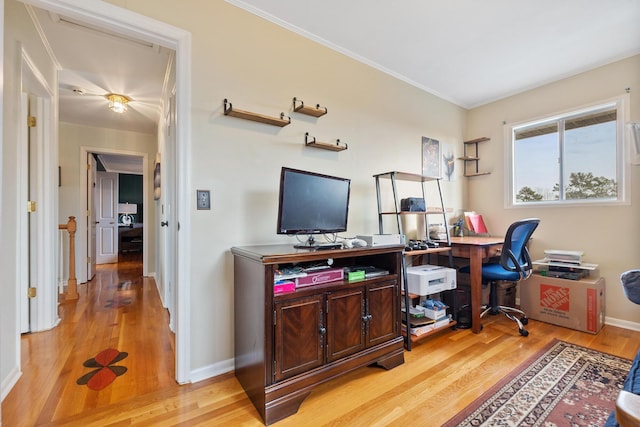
441 376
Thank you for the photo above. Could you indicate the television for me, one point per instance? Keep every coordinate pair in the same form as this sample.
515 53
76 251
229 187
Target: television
312 203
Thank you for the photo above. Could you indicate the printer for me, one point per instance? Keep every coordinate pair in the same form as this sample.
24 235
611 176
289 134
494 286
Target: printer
430 279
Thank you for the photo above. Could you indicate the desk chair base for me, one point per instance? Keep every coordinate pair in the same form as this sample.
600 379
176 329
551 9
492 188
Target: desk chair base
510 313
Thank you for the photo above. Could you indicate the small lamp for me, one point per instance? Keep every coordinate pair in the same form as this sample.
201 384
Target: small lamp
126 210
117 103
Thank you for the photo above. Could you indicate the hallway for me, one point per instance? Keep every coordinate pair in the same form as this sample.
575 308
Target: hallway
120 311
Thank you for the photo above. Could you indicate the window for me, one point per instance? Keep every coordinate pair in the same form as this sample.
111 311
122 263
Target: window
572 158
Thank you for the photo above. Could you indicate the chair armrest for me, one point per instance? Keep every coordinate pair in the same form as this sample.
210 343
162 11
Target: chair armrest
628 409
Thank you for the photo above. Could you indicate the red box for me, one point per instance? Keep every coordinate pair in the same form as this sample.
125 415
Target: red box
320 276
284 286
575 304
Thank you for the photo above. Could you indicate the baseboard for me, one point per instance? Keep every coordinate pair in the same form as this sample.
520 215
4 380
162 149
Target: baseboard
212 370
9 382
634 326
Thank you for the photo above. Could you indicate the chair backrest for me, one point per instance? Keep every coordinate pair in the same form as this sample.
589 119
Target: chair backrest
515 256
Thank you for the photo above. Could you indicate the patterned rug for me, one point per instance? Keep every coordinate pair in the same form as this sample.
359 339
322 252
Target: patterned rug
564 385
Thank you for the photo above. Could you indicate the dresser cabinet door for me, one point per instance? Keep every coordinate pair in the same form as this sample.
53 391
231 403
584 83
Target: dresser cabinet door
382 316
299 336
345 323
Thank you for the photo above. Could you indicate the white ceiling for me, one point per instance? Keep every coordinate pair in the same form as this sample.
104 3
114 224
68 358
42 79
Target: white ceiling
469 52
96 63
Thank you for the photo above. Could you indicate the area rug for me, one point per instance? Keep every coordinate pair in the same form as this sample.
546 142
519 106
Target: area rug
564 385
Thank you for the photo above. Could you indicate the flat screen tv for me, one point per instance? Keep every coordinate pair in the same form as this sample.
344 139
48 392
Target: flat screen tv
312 203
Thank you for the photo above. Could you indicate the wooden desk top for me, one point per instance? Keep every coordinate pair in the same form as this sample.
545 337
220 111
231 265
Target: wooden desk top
477 240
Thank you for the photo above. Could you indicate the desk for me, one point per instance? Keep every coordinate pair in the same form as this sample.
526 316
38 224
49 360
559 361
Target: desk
476 248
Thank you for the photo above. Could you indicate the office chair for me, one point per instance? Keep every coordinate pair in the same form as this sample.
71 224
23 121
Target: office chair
514 265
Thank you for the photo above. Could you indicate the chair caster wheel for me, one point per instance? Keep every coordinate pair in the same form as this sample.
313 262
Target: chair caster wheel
524 332
524 320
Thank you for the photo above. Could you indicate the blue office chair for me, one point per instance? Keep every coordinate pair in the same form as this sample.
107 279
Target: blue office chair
514 265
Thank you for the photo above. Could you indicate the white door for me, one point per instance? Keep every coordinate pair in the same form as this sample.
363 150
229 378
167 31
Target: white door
26 222
170 228
92 209
107 218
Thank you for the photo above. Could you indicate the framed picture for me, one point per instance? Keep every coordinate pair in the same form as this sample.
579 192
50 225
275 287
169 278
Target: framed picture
431 157
448 161
156 181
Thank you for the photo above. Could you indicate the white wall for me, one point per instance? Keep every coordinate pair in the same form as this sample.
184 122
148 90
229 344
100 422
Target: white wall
260 67
608 235
72 138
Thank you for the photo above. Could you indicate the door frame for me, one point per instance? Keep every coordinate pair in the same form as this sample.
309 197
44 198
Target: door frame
115 19
83 229
43 313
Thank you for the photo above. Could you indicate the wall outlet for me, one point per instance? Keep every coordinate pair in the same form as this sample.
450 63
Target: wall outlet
203 199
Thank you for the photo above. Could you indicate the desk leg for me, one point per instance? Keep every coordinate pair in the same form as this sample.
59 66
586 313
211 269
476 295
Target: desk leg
475 266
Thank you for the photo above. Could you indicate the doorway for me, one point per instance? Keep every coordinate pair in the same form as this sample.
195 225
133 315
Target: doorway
118 20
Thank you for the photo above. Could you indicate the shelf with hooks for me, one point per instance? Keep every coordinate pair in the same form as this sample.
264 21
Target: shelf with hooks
317 111
338 146
473 158
255 117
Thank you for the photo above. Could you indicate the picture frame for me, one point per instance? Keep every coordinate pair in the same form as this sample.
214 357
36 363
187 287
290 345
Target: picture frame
431 164
156 181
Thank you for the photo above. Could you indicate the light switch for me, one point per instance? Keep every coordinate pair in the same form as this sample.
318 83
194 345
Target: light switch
203 199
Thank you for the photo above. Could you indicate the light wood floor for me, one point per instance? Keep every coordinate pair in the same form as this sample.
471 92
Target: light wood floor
439 377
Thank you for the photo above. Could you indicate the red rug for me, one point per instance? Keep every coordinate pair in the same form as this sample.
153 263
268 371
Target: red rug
564 385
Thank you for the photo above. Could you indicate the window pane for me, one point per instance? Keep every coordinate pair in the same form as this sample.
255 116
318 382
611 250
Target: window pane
536 169
590 157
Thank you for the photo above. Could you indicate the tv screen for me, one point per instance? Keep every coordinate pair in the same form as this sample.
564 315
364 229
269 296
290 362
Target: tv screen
312 203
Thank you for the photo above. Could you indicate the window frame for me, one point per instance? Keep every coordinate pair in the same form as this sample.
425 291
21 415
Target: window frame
623 156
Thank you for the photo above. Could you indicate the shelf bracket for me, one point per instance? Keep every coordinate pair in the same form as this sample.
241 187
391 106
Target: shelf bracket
311 142
317 111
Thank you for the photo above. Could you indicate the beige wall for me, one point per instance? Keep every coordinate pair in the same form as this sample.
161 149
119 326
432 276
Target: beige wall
72 138
608 235
260 67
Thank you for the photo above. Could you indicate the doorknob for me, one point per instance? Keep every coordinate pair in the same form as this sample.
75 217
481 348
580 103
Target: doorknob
164 223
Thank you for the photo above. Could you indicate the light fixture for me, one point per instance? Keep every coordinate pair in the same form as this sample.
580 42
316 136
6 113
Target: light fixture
126 210
117 103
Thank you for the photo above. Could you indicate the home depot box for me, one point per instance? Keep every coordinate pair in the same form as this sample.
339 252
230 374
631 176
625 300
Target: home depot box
575 304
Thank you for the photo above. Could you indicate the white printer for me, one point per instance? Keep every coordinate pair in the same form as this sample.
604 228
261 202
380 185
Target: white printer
430 279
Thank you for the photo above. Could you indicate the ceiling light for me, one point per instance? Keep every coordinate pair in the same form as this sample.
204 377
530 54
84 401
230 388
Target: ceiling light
117 103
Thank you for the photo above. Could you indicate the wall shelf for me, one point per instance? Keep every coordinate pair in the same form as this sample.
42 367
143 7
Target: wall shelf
255 117
338 146
472 158
317 111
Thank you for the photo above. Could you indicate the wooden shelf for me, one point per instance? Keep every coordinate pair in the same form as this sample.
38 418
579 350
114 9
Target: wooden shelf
317 111
255 117
405 176
338 146
467 158
416 338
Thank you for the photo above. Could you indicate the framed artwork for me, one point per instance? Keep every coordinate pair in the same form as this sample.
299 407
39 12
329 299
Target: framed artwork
431 157
156 181
448 161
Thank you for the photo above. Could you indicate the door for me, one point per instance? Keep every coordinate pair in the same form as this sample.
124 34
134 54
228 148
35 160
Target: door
27 241
382 316
299 336
92 209
107 218
345 323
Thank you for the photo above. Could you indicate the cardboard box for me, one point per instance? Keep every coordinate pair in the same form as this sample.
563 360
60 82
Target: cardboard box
575 304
